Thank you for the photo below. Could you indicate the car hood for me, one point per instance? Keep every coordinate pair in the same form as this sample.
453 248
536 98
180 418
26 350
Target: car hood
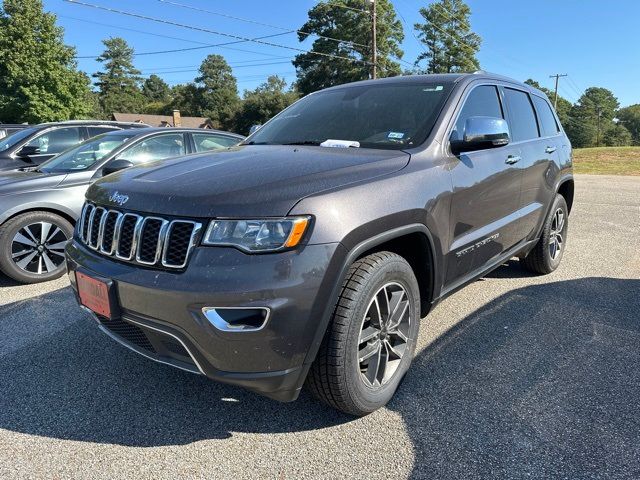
243 181
17 181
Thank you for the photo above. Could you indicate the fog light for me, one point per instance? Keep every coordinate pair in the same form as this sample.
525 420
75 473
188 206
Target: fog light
237 319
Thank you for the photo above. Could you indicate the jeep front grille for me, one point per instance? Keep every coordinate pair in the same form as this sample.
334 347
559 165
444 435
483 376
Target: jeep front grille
146 240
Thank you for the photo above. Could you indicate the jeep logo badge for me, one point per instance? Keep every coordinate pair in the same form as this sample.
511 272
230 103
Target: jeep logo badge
118 198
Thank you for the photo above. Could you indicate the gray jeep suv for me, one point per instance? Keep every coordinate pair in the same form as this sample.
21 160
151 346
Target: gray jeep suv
309 253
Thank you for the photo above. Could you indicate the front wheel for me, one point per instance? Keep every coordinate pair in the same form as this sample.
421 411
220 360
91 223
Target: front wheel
32 246
371 339
545 257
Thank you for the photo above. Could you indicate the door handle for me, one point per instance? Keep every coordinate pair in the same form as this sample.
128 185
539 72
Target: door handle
550 149
511 159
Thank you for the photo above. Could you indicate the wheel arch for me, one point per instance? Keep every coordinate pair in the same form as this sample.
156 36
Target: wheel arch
396 238
566 189
67 215
414 243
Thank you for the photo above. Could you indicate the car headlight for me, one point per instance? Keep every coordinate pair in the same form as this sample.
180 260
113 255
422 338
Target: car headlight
261 235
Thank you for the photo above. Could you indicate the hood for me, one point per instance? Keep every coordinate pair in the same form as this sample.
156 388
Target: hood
23 180
257 180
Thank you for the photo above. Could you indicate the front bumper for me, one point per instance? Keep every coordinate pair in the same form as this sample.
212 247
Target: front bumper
161 311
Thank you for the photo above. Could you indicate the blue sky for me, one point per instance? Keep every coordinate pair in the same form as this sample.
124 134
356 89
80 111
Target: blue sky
595 42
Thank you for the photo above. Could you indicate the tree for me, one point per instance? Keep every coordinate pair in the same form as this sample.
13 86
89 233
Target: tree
446 34
119 83
184 97
39 80
591 116
629 117
155 89
617 135
264 102
320 67
217 91
564 106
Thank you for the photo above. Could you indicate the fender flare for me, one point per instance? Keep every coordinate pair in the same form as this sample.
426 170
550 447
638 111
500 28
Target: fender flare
351 256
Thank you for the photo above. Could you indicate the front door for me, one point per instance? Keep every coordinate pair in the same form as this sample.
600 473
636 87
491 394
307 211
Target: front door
486 193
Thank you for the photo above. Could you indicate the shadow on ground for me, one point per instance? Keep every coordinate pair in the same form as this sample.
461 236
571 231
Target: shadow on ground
543 381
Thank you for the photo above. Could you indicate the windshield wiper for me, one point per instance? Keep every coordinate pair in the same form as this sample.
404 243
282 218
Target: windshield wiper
304 142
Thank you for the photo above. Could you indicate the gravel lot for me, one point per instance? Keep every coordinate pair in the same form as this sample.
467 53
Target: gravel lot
516 377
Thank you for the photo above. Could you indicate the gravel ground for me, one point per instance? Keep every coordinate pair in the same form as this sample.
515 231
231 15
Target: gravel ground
516 376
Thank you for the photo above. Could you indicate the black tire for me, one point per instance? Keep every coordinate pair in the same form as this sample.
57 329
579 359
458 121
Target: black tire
336 376
47 254
543 258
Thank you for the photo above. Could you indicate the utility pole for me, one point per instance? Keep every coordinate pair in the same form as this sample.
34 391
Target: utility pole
374 46
599 110
555 96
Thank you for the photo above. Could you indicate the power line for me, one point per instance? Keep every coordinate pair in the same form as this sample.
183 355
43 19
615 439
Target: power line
188 49
196 68
240 63
214 32
575 86
255 22
204 44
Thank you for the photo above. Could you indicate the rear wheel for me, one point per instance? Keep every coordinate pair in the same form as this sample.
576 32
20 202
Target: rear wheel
370 341
545 257
32 246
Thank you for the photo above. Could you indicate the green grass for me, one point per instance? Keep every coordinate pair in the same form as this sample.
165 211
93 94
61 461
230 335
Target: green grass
607 160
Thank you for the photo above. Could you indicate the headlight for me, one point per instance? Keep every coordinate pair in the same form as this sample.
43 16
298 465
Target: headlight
265 235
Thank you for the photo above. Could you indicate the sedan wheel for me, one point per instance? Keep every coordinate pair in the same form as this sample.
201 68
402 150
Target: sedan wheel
39 248
32 246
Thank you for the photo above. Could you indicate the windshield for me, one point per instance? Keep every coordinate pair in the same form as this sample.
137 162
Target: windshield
87 154
17 137
387 116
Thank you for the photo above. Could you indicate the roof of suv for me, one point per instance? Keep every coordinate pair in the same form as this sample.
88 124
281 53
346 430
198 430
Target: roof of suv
444 78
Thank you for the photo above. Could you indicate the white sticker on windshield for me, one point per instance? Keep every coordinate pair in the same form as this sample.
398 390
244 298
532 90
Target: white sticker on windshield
433 89
396 135
340 143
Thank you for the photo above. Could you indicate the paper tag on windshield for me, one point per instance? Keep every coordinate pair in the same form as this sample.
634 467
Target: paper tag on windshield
340 143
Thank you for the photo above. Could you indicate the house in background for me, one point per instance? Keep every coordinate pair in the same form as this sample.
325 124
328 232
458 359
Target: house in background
175 120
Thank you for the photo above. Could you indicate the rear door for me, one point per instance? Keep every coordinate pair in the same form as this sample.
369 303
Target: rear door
486 192
155 147
535 129
54 141
204 141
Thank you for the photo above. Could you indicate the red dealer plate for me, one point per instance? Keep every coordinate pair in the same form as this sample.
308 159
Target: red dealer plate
94 294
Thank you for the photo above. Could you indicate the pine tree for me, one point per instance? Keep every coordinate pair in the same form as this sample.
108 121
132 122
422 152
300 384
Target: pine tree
217 91
352 26
39 80
119 83
451 46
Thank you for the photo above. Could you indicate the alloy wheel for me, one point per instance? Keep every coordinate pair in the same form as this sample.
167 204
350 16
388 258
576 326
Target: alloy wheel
384 334
556 240
38 248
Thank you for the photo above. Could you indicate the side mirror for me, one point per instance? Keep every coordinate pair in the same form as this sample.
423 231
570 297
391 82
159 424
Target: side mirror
28 150
481 133
116 165
254 128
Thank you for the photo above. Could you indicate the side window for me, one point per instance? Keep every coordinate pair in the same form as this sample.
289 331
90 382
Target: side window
548 121
56 141
161 146
95 131
522 118
209 141
483 101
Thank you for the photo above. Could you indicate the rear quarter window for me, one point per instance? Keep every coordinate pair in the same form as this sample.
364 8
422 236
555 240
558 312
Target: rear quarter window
548 122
